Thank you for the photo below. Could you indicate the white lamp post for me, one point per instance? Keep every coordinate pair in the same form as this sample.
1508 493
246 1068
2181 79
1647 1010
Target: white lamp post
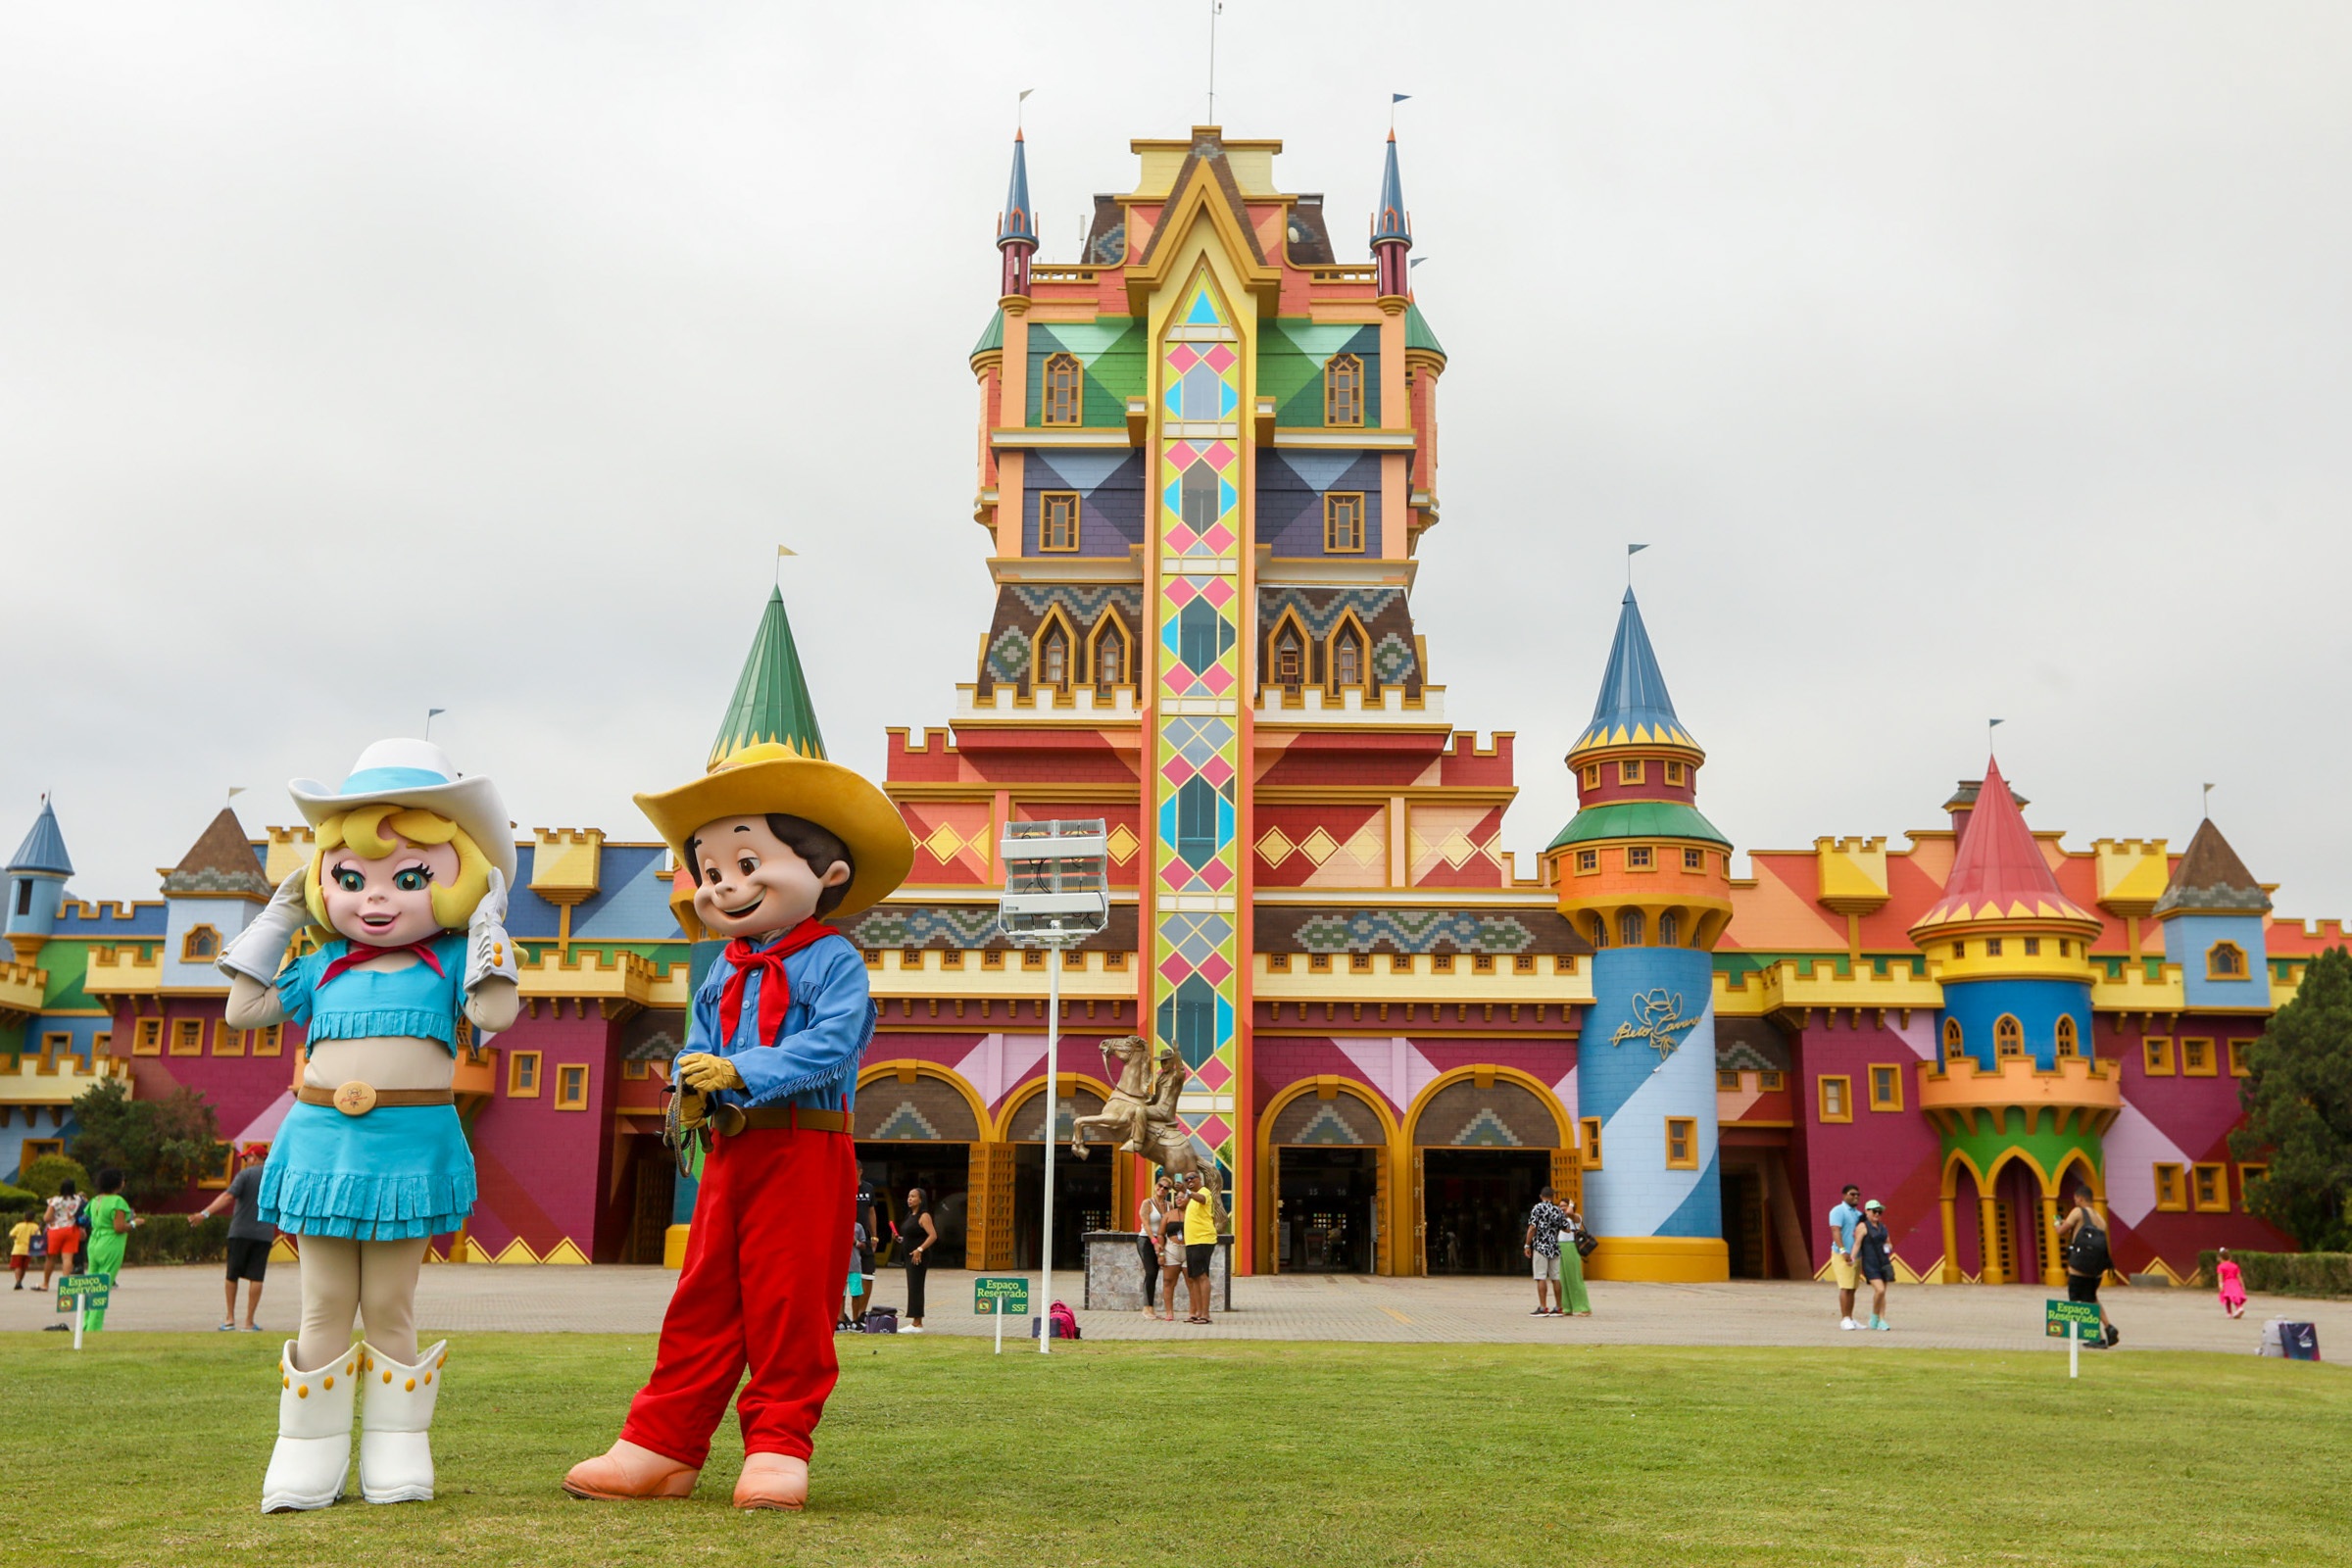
1056 896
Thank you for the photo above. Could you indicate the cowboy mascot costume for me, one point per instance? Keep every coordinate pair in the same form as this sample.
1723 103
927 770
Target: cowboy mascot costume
775 837
408 879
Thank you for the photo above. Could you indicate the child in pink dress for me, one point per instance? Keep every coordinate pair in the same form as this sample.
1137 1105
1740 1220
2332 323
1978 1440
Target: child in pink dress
2232 1283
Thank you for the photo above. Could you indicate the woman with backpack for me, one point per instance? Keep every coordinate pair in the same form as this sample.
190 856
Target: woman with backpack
2083 1237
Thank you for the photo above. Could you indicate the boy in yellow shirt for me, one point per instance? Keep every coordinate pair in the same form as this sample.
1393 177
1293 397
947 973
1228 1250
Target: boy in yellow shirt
19 1246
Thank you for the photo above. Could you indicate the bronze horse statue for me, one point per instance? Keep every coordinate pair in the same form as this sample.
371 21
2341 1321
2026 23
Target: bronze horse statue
1141 1111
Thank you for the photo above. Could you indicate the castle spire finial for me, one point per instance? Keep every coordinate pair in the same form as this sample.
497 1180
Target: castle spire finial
1016 226
772 705
1392 228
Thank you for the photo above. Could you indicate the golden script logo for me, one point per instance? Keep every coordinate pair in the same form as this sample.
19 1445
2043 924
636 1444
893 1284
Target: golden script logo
1660 1022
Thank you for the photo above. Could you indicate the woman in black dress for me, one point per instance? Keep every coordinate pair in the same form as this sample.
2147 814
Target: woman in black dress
916 1236
1873 1255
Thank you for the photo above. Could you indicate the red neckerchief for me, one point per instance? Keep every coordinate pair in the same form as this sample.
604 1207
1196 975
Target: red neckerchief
361 953
775 992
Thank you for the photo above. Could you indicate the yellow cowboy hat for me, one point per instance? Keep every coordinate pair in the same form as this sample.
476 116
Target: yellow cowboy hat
769 776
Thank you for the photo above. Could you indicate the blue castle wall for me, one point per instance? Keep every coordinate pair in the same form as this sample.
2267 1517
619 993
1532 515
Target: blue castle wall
2037 1006
2188 937
1633 1091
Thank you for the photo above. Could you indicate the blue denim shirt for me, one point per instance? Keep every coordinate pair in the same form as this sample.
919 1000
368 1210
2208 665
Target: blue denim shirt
812 1062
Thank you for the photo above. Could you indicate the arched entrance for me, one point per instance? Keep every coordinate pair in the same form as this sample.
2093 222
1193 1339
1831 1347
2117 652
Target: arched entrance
1485 1141
1089 1195
1323 1180
917 1126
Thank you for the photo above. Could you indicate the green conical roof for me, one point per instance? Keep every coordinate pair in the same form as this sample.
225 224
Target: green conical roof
771 703
1418 333
992 339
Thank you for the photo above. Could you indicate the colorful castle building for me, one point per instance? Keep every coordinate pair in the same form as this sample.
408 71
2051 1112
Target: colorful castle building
1206 464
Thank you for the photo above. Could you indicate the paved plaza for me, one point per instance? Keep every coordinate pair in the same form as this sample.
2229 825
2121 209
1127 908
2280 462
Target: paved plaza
614 1300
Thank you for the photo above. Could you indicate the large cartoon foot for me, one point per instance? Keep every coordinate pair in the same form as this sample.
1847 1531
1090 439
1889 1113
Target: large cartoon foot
627 1471
396 1422
773 1481
313 1456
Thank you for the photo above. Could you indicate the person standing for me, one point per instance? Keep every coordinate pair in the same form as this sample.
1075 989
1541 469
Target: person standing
1874 1259
1842 1220
1200 1242
917 1235
1541 1245
110 1224
2232 1282
249 1238
1578 1303
63 1220
19 1246
2089 1258
1151 1220
867 1211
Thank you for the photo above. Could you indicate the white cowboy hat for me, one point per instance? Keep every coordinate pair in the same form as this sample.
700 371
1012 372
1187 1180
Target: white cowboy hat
412 772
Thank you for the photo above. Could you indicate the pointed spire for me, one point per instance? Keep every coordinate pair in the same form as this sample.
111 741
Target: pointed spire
2211 880
44 848
1633 709
1999 873
1391 223
1018 221
221 862
770 706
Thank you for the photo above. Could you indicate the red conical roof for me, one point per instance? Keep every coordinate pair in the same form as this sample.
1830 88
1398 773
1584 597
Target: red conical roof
1998 874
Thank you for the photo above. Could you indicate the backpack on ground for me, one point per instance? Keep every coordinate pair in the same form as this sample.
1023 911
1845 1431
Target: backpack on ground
1061 1320
881 1320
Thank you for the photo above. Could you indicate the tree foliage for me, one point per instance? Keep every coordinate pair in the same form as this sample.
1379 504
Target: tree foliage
2298 1103
161 1145
45 1175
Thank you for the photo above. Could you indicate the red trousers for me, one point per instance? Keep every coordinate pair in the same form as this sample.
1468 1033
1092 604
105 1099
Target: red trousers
761 1288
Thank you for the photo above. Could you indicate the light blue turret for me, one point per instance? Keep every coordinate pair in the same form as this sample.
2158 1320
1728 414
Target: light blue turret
36 884
2216 918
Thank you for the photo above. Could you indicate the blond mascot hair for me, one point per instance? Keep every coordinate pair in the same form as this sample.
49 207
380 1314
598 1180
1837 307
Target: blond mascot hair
380 828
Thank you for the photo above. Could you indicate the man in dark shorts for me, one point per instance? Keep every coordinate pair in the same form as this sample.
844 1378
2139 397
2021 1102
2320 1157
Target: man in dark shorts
249 1239
2082 1242
864 1209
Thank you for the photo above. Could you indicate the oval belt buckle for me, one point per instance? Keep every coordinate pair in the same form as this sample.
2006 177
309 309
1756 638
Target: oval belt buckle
356 1098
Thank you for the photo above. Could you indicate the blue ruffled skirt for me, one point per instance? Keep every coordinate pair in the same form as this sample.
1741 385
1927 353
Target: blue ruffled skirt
397 1172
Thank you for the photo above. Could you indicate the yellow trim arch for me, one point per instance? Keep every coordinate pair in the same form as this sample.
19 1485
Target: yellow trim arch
930 1070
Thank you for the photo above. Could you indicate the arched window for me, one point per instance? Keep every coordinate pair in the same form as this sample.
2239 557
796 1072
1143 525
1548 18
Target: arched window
1111 656
1953 1045
1629 929
1343 390
2225 960
2068 1043
2008 1036
1065 389
1289 657
202 944
1670 931
1599 932
1053 658
1347 658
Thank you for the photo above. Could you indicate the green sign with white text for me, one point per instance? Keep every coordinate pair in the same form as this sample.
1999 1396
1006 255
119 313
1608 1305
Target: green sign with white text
2061 1314
1010 1289
91 1289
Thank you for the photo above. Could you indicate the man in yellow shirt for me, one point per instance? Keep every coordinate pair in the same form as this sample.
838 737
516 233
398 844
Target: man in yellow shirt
1201 1228
19 1246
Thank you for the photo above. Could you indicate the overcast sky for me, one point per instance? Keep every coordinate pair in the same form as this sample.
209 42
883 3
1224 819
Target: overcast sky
1956 363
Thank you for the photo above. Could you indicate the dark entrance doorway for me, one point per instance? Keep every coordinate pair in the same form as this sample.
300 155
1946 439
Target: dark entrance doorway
653 1189
1474 1206
1744 1220
1081 1204
1323 1211
940 1169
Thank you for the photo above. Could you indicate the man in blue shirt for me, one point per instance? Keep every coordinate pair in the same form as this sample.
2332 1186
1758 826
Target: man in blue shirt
1842 1220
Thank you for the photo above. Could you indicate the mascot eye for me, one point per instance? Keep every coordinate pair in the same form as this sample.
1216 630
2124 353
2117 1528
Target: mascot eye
349 881
412 879
747 866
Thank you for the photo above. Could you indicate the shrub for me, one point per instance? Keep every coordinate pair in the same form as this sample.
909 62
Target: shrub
45 1175
169 1239
2290 1273
17 1200
161 1145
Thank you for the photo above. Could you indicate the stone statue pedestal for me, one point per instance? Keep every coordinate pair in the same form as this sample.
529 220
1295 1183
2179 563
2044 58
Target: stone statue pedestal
1114 1274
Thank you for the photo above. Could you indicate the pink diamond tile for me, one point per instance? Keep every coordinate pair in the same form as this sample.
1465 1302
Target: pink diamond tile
1219 592
1217 874
1214 968
1213 1130
1217 771
1219 538
1181 455
1180 590
1183 357
1215 1073
1177 770
1175 969
1180 538
1219 454
1220 358
1216 680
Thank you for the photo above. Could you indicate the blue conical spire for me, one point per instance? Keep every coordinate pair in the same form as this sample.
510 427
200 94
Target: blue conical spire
1390 224
1018 221
1634 707
44 848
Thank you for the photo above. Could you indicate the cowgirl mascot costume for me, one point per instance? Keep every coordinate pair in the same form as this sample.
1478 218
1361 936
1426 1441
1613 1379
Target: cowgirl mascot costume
409 880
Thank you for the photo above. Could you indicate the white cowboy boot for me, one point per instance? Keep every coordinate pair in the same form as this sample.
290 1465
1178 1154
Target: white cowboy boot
313 1456
396 1451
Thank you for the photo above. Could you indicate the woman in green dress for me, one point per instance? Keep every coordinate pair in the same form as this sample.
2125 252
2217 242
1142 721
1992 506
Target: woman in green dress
1574 1301
110 1224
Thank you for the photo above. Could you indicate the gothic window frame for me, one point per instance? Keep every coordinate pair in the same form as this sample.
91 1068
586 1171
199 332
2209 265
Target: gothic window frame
1061 390
1352 535
1053 508
1344 400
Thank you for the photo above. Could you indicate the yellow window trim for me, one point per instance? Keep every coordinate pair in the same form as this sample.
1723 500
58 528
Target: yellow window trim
2156 1055
187 1037
227 1042
516 1089
1689 1126
2237 1050
2218 1204
1047 502
1351 502
566 1098
149 1041
1894 1079
2246 1174
2189 1067
1845 1097
2234 967
1589 1145
2172 1180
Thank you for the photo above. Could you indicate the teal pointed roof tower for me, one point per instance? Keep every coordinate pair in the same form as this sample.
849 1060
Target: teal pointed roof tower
1391 223
772 705
1635 709
1018 221
44 848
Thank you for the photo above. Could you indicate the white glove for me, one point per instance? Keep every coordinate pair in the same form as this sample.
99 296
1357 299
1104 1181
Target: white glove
489 950
259 950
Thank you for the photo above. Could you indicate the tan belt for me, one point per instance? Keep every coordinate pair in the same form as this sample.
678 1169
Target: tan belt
796 1117
357 1099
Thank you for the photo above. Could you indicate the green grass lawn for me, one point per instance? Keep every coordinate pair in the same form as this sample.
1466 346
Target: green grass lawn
149 1450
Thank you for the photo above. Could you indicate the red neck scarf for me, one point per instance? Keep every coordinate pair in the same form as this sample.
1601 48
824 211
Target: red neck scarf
775 992
361 953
